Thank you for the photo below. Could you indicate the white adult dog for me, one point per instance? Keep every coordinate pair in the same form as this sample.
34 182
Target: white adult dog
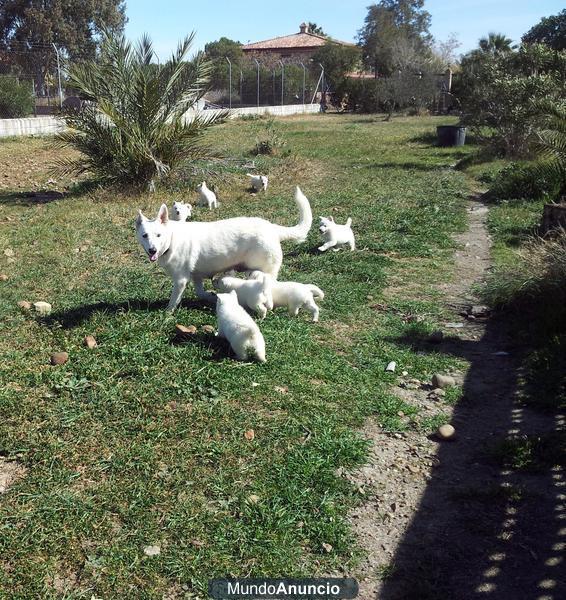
239 328
258 182
181 211
290 294
251 292
336 235
206 197
194 250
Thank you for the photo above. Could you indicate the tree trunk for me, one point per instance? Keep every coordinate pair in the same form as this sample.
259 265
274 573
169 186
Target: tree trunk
553 217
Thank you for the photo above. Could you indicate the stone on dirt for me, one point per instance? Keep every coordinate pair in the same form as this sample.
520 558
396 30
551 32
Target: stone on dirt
59 358
42 308
443 381
446 432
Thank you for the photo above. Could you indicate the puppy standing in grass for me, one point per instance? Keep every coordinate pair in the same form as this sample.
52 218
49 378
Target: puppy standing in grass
206 197
239 328
291 294
194 250
258 182
336 235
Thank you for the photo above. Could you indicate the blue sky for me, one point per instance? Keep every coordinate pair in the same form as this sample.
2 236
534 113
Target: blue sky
167 21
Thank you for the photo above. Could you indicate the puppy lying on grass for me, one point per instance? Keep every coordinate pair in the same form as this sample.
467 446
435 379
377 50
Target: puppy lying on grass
181 211
290 294
239 328
336 235
251 292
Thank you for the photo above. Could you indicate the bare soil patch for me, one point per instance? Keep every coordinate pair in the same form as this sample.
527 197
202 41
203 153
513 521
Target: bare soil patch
441 519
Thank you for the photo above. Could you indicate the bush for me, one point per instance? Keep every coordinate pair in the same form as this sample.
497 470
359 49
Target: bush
534 286
525 181
16 98
132 130
269 139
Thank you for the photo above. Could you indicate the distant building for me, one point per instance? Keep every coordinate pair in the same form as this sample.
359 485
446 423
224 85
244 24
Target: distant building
292 48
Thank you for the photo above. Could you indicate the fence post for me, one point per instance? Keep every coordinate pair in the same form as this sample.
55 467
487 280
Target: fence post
229 80
241 88
304 79
282 80
257 63
59 76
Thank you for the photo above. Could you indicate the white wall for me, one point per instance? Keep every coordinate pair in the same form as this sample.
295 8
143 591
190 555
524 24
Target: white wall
51 125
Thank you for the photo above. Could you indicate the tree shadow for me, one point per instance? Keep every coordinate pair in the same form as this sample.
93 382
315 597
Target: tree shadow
68 319
31 198
482 529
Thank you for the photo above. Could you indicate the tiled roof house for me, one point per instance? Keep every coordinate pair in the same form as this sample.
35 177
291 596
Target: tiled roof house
289 48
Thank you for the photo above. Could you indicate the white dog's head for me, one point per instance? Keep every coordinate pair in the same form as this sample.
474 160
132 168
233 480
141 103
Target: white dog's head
202 187
153 234
264 182
325 224
181 211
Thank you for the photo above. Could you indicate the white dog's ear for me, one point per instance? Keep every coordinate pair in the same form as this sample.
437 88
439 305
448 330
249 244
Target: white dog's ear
331 219
140 218
163 214
233 293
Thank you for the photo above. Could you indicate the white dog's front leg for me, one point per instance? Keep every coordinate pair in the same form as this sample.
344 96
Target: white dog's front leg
201 292
177 293
325 247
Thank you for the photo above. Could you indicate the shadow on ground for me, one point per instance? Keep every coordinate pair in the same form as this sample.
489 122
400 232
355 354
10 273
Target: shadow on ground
490 524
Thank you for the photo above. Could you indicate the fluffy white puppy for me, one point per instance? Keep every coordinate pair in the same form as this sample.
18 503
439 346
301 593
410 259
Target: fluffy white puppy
336 235
194 250
236 325
206 197
258 182
251 292
291 294
181 211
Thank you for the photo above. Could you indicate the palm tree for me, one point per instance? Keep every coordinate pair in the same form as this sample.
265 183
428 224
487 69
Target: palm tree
495 43
551 140
132 128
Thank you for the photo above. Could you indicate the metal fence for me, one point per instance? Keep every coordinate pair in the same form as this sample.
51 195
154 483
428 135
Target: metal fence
257 83
32 82
31 78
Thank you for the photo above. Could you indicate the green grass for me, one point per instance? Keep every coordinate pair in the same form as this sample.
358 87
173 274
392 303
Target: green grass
141 440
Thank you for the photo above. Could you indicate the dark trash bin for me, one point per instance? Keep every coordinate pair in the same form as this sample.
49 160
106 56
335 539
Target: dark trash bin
451 135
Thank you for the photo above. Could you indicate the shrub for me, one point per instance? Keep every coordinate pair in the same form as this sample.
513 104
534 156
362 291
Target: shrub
535 285
16 98
525 181
269 139
132 128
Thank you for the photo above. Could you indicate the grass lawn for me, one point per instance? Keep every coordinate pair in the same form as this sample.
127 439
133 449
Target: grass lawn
141 441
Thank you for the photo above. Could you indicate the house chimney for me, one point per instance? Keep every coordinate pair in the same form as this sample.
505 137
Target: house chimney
304 28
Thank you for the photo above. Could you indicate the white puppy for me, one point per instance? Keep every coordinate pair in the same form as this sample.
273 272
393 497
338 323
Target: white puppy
291 294
194 250
206 197
336 235
239 328
258 182
251 292
181 211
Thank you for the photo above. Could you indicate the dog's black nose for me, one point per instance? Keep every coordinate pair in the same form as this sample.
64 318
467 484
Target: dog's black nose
152 250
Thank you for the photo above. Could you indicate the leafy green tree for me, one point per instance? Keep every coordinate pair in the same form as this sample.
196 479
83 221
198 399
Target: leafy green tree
337 60
30 27
550 31
314 28
16 98
388 22
132 129
217 52
499 93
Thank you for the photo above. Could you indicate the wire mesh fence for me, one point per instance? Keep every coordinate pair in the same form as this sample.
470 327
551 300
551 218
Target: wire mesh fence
33 82
30 80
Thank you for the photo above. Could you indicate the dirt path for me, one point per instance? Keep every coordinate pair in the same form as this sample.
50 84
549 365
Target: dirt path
442 521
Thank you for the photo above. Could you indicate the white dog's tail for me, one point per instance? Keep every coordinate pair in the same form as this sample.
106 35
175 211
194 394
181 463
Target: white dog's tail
250 175
316 292
348 222
299 232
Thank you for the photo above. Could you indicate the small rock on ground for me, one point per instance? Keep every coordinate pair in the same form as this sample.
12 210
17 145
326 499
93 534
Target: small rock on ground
59 358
